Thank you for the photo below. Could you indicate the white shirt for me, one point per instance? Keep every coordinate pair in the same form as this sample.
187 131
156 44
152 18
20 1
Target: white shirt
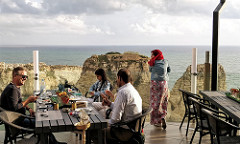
127 105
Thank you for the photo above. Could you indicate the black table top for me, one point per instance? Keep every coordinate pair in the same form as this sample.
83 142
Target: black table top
227 105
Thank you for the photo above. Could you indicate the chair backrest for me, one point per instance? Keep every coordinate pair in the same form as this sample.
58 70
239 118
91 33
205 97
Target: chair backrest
185 99
137 124
185 96
197 106
218 126
11 120
199 115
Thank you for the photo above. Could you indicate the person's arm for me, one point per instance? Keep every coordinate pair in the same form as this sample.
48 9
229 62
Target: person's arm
32 113
13 100
168 69
29 100
106 86
110 94
150 68
92 88
118 109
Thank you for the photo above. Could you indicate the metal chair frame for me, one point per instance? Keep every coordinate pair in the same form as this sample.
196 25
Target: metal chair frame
12 130
189 112
135 126
221 131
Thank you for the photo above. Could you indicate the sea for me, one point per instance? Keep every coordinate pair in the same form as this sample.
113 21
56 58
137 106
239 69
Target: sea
179 57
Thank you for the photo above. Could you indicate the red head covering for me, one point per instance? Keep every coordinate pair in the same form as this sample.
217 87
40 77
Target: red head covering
157 56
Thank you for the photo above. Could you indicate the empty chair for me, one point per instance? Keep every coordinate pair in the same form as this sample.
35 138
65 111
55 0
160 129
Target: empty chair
189 112
221 130
201 118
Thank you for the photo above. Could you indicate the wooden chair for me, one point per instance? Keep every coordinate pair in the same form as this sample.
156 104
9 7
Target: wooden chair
189 112
201 118
135 127
12 130
221 131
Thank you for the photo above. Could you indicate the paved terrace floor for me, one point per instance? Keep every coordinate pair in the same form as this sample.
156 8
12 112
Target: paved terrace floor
154 135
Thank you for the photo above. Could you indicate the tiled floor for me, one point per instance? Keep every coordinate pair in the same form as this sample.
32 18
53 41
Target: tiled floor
154 135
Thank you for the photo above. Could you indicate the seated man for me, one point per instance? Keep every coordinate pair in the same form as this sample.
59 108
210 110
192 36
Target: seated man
11 98
127 105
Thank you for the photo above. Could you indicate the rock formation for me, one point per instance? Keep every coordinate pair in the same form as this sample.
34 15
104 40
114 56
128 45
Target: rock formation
176 108
84 77
111 63
52 74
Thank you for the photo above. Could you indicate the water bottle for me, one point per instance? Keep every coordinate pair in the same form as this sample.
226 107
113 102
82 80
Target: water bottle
43 86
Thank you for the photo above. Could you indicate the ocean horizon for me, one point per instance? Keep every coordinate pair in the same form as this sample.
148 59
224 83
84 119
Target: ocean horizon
179 57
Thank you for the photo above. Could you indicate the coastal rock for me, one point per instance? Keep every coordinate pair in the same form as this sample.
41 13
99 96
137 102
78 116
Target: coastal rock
176 106
84 77
52 74
111 63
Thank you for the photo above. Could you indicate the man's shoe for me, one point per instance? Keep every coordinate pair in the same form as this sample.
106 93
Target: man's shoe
164 125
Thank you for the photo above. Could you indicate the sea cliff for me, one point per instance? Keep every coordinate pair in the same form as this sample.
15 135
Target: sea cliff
52 74
84 77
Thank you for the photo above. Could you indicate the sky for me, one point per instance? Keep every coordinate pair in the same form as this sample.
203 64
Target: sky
116 22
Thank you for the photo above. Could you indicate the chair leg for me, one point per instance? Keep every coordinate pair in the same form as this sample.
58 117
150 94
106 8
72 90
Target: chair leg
182 121
7 136
188 124
193 135
211 136
38 139
200 138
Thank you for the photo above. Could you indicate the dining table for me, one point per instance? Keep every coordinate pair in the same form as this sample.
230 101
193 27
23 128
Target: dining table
226 104
50 120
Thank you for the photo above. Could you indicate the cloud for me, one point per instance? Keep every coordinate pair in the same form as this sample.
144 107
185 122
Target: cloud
97 7
55 7
192 7
19 7
231 10
113 21
179 7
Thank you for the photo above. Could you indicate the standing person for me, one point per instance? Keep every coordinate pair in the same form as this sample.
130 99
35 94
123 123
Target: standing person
11 99
159 69
100 86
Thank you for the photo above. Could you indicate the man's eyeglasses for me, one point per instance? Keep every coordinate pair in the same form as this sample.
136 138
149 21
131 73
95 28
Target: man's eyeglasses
23 76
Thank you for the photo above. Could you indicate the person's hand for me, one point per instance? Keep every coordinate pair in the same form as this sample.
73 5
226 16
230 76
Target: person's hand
32 98
91 93
106 102
109 93
32 113
103 95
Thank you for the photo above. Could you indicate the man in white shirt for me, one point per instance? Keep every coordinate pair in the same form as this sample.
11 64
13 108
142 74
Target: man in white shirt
127 105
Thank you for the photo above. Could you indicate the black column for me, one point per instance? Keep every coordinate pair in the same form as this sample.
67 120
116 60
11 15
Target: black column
214 86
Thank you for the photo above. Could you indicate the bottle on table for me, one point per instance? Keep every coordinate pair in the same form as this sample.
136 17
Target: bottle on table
43 86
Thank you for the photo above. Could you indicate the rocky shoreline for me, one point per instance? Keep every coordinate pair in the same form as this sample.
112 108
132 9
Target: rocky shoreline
83 77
